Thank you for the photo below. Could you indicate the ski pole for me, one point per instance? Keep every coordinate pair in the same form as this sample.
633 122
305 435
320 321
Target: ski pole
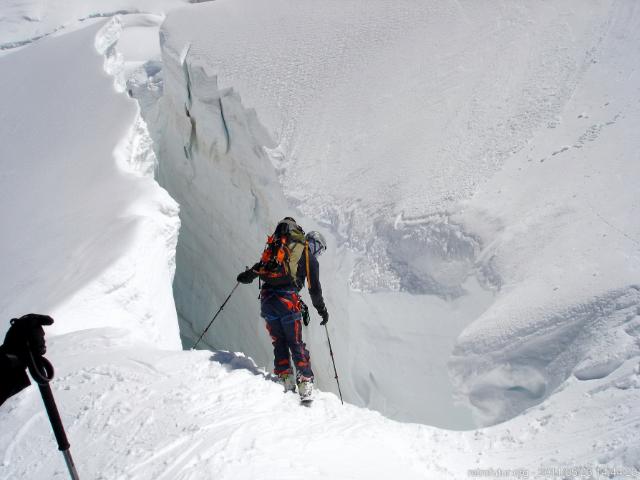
334 363
215 316
42 372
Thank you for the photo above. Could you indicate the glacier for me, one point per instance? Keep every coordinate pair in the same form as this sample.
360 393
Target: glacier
484 257
466 258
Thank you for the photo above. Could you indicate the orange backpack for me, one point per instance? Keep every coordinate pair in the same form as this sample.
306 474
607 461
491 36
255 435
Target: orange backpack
279 261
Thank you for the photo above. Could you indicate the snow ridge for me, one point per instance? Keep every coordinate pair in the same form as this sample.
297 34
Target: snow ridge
589 341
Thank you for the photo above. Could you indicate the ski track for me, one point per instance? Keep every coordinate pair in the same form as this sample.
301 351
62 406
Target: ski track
19 435
195 422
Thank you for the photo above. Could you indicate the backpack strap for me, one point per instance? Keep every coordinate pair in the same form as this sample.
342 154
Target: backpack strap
306 253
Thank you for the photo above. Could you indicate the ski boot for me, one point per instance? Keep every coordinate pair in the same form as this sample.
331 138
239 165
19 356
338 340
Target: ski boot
287 381
305 388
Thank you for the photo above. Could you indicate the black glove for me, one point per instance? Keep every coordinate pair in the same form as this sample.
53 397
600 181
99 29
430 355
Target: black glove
304 310
247 276
325 316
26 333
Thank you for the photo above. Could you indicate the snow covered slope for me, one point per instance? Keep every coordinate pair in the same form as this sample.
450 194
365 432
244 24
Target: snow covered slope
381 107
560 219
142 413
85 237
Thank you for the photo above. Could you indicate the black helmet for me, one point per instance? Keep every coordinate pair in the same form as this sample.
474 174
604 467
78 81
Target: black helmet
286 225
317 243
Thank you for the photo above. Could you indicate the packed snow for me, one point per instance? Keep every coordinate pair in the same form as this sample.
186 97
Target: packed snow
474 168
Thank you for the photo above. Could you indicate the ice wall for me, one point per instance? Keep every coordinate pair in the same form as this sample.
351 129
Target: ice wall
212 163
216 159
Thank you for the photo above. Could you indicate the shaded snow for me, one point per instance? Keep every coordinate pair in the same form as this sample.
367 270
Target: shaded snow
386 107
565 239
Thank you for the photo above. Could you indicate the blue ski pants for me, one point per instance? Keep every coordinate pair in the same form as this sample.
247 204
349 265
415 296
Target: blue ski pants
281 311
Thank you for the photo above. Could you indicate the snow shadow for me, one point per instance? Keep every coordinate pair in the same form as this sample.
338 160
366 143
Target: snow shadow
423 256
587 340
238 361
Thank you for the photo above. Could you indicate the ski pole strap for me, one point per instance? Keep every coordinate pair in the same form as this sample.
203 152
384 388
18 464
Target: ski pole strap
40 368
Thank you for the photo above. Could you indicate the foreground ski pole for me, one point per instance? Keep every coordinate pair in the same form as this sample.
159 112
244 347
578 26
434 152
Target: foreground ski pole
334 363
42 372
215 316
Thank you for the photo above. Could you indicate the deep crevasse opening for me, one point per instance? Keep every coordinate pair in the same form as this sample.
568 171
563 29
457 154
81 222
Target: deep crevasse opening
396 310
406 272
391 348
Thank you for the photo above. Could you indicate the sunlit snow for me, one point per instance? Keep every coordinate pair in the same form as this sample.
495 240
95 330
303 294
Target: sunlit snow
473 166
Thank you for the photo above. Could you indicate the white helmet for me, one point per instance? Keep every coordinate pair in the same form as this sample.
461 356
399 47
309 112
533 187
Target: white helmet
317 243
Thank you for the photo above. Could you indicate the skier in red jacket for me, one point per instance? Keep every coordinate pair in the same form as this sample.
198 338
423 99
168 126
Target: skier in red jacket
281 305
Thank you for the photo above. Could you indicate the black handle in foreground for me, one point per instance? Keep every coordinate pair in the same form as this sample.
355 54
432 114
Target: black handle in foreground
41 371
